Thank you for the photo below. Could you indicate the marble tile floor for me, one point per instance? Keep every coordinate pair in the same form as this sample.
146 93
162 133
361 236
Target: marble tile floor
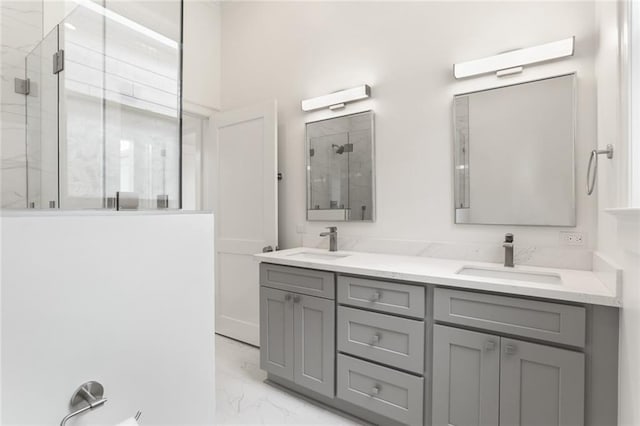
242 397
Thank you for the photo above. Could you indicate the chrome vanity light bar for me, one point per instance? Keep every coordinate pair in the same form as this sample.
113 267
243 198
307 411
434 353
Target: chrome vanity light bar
337 99
514 60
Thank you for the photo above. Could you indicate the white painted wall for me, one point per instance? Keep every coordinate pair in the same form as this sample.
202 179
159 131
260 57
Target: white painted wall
124 299
405 51
202 44
618 236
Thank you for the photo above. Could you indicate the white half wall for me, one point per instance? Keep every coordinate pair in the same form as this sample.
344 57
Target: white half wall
126 299
405 50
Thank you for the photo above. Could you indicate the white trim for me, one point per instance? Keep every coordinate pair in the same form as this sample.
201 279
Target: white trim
629 212
198 109
630 91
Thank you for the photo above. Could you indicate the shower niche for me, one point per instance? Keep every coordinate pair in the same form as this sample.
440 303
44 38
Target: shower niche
340 168
103 109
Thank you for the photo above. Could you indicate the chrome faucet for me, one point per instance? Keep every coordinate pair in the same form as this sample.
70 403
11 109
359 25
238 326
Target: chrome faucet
508 250
333 237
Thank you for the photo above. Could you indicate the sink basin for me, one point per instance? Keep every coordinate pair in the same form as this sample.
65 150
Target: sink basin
505 274
318 256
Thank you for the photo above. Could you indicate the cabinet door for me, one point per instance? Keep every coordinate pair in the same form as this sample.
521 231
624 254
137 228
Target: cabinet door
466 377
314 343
276 332
540 385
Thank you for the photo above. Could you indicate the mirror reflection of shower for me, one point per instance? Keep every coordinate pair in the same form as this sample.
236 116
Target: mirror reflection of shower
105 118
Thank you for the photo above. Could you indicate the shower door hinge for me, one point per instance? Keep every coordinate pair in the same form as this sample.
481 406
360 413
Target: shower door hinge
22 86
58 61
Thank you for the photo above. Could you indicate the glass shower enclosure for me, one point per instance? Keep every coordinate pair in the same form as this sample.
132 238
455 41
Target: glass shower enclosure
103 111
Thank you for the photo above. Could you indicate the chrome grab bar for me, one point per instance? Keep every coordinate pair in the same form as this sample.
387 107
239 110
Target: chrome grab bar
591 178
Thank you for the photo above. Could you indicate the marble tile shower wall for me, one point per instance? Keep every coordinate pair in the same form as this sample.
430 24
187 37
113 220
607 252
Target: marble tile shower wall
21 30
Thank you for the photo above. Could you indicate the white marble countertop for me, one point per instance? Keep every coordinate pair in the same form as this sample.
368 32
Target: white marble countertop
577 286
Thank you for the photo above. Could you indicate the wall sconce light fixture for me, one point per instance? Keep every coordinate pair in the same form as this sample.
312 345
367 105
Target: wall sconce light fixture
337 100
512 62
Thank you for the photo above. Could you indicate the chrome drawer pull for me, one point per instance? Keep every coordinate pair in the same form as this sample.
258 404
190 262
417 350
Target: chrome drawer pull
375 296
375 339
489 345
375 390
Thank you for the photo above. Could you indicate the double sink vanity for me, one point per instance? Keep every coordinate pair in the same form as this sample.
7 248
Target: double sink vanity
423 341
413 340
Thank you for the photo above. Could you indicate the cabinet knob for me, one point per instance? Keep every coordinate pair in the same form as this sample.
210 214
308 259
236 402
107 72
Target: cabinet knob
296 298
375 390
489 345
376 338
510 349
375 296
287 297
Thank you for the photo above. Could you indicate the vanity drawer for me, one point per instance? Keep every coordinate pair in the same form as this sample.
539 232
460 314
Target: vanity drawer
395 298
398 342
298 280
382 390
553 322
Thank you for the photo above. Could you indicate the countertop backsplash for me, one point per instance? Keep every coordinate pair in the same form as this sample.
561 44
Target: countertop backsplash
552 257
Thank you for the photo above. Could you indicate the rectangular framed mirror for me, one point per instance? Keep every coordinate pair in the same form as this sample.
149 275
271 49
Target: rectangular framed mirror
340 168
514 154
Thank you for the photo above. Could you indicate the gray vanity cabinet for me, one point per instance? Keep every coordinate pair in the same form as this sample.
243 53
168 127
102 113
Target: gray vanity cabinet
482 379
466 377
540 385
297 331
276 332
314 343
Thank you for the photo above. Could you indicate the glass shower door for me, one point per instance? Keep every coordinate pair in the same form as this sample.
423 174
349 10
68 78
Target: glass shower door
42 125
142 105
109 119
82 83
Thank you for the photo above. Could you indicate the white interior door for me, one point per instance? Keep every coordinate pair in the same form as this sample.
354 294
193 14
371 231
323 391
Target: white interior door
246 211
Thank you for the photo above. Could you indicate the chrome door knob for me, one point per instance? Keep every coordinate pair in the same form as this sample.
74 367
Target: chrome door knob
489 345
510 349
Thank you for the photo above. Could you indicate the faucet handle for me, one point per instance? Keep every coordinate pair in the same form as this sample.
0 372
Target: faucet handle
508 238
332 228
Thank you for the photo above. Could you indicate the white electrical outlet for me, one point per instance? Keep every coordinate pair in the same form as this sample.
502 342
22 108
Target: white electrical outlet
573 238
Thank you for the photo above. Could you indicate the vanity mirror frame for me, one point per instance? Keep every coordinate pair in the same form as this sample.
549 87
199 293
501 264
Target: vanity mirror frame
574 129
329 217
